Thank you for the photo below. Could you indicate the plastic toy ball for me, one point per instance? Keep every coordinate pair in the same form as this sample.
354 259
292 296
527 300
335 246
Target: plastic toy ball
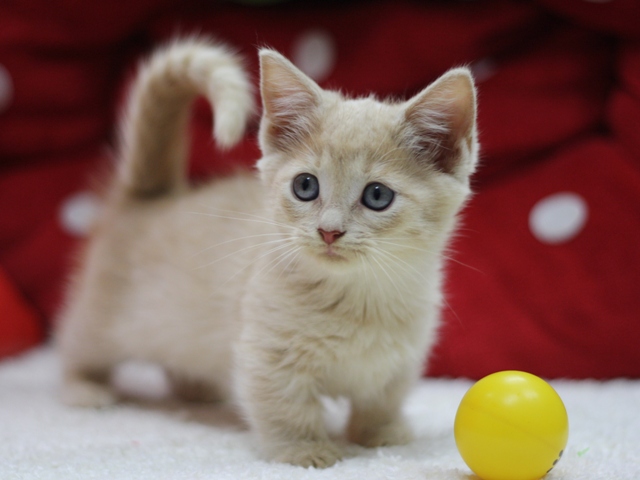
511 426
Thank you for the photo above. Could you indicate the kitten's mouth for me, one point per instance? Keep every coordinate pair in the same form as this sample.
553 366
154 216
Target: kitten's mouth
332 254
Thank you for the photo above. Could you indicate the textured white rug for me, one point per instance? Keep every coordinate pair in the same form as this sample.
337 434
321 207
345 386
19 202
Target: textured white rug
151 439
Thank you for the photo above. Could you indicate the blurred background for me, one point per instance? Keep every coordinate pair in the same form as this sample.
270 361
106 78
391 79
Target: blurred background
545 275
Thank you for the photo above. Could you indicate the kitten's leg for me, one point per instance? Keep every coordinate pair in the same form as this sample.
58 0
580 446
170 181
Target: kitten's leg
87 361
287 415
378 421
88 387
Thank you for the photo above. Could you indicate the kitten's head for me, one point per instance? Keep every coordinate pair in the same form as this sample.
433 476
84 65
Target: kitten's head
360 178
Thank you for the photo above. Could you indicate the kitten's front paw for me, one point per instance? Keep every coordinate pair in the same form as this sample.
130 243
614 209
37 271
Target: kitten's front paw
319 454
393 433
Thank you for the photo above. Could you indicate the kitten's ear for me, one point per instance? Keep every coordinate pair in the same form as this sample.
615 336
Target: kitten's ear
290 100
441 124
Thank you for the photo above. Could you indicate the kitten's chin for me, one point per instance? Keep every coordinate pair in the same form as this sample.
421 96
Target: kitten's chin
334 257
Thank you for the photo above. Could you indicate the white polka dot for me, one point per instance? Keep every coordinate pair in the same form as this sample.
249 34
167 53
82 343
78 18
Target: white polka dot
79 212
483 69
558 218
6 89
314 52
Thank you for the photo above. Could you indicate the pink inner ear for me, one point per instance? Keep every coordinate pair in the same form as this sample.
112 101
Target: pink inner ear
441 117
460 93
290 100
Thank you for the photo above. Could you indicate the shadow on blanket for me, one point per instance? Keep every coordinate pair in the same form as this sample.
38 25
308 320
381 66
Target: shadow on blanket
145 385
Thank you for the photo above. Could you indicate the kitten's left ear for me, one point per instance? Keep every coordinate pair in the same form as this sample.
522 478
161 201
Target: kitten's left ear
440 124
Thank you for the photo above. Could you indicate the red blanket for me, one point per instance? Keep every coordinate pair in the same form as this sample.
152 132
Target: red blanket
545 275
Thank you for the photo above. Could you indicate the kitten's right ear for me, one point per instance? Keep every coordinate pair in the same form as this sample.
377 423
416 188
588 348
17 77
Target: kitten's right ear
290 100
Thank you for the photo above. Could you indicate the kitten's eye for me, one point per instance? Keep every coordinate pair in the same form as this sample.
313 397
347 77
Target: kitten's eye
306 187
377 196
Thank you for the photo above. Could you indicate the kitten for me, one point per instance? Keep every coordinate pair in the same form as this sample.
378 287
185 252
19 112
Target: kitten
320 277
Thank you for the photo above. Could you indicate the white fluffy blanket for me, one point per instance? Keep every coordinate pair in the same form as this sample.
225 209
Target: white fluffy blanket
153 439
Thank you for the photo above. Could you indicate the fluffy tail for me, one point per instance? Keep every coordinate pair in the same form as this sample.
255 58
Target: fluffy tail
153 137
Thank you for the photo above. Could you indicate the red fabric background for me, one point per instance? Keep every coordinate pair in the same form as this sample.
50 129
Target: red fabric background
559 92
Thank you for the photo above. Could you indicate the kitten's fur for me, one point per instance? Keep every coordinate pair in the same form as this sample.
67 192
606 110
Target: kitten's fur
231 287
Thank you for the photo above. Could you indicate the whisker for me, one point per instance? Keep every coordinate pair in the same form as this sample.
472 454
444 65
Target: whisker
370 268
271 250
404 262
388 153
244 249
273 262
384 270
402 298
444 255
374 155
236 240
412 247
295 261
454 260
251 215
426 279
281 258
255 220
294 257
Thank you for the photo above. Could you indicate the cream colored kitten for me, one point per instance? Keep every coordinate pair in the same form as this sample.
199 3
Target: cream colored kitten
322 277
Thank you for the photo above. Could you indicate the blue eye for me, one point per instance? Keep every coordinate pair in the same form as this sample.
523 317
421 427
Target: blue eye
306 187
377 196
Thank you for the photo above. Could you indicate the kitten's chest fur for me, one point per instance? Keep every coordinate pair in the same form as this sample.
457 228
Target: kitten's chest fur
350 333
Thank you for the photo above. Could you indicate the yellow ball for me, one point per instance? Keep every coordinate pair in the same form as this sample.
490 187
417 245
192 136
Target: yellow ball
511 426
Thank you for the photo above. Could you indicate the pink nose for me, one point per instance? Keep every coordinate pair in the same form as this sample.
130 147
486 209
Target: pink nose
330 237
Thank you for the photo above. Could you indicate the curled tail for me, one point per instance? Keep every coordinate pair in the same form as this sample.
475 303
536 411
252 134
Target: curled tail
153 137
